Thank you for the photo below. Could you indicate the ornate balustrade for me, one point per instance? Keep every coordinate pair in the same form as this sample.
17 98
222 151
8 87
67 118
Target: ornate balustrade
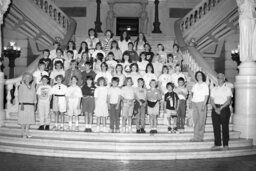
197 13
50 8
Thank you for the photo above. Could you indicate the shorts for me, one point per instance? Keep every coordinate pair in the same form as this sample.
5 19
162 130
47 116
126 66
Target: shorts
88 105
128 106
171 113
72 107
59 104
154 110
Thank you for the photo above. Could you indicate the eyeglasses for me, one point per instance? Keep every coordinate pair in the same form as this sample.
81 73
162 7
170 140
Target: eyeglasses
59 87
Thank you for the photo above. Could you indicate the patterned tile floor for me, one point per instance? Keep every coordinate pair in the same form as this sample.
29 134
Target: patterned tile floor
17 162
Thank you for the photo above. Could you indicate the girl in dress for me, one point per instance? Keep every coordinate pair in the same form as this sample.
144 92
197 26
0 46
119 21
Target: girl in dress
135 75
98 49
116 50
101 106
119 74
27 102
92 40
126 62
106 42
104 73
149 75
88 104
71 46
74 95
83 48
140 42
123 42
162 53
110 60
142 63
128 97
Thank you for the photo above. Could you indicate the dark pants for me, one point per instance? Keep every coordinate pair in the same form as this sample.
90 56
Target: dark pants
181 114
218 121
114 116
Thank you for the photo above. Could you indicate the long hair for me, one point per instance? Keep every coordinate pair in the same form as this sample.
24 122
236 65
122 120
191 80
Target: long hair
81 48
95 33
150 65
203 76
117 46
73 45
127 38
138 39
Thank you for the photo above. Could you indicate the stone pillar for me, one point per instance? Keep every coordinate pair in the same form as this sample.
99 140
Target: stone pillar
143 23
110 18
4 4
156 23
98 23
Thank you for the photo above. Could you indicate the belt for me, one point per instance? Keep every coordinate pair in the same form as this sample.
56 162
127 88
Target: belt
126 100
218 105
88 97
57 95
32 104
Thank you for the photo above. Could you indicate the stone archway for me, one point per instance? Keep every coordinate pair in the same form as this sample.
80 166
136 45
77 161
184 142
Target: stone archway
143 14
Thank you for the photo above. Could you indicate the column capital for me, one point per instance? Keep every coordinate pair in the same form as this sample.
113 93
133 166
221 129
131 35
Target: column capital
4 4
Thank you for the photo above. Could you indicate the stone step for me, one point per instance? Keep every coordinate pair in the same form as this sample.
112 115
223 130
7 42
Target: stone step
160 128
111 137
119 146
123 156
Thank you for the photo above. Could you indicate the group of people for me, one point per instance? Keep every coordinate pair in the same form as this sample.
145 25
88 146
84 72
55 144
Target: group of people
111 78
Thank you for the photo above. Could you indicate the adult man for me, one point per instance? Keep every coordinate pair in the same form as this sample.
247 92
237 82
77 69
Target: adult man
220 99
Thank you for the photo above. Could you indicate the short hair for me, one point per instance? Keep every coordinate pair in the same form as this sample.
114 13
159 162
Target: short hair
92 29
181 79
56 43
59 76
160 44
71 52
99 44
74 76
105 64
100 56
101 79
59 49
111 53
164 68
203 75
46 50
141 79
126 80
170 84
135 64
111 33
176 45
119 65
130 43
58 63
150 65
89 78
116 79
73 45
88 63
153 80
41 63
45 77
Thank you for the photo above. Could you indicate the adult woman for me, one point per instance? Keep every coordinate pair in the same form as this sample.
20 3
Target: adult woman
200 93
124 40
27 102
83 48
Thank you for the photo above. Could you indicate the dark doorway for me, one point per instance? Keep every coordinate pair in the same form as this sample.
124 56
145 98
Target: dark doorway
129 24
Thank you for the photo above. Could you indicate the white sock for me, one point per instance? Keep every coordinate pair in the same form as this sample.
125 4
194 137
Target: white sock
76 123
90 125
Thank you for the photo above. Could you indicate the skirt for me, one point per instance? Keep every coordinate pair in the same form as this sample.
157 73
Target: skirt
26 116
88 105
101 108
154 110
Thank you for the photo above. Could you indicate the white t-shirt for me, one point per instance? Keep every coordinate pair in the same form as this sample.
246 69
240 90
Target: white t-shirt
147 78
106 75
128 93
111 64
123 45
38 75
175 76
121 79
74 92
221 94
44 92
135 76
101 94
199 92
114 93
157 68
52 54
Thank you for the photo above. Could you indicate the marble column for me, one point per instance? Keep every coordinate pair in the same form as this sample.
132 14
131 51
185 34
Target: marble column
4 4
245 84
156 24
98 23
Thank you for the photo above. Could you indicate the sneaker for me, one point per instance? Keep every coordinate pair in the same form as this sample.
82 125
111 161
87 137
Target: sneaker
41 127
47 127
155 131
138 131
216 148
225 148
142 130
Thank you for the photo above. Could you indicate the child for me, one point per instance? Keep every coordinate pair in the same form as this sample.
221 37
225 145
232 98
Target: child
83 49
135 75
149 54
182 93
59 92
106 42
153 97
101 106
141 97
149 75
71 47
88 104
92 40
39 73
104 73
73 71
177 75
114 96
98 62
44 97
68 58
88 72
53 52
59 57
128 97
157 65
98 50
116 51
140 42
164 78
110 60
58 71
162 53
46 60
142 63
27 102
119 74
74 95
171 105
132 53
126 62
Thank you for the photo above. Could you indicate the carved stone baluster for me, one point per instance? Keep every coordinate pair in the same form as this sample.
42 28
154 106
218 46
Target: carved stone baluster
63 21
200 12
46 6
205 9
9 87
186 24
191 19
59 18
55 14
50 10
195 16
209 5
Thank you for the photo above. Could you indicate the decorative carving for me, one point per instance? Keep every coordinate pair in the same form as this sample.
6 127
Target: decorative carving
143 19
4 4
110 18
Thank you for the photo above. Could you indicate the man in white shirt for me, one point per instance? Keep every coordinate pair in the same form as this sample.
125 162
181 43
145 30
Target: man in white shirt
220 99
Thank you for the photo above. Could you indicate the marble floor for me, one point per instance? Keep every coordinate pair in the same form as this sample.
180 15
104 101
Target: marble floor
17 162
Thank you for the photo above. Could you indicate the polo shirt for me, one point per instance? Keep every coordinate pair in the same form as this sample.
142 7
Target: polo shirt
59 89
220 94
88 91
199 92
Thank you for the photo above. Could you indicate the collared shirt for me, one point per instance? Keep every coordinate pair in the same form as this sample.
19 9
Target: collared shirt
114 93
220 94
128 93
74 92
59 89
199 92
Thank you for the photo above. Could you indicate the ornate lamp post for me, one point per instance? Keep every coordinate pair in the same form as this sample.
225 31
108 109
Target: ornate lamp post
98 23
156 23
12 52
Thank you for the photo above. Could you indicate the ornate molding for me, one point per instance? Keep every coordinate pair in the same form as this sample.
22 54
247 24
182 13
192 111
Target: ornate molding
4 5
